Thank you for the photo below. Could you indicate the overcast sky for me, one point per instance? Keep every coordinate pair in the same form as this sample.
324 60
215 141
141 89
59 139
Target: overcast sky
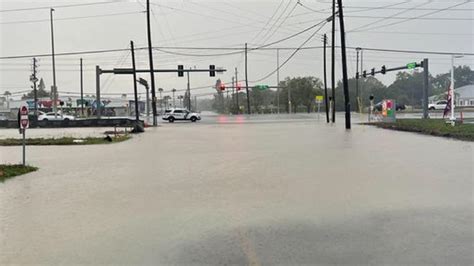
223 23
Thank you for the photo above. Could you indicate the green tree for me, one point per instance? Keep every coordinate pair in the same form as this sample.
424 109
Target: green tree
302 92
463 75
41 92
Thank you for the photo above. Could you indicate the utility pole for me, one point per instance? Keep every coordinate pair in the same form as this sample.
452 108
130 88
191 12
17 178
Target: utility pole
451 90
361 86
357 81
426 85
150 56
137 114
333 61
98 71
34 79
247 81
278 80
55 89
189 92
237 97
347 104
82 90
325 79
233 90
195 103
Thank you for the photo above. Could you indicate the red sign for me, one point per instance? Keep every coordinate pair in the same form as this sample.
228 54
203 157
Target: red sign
24 121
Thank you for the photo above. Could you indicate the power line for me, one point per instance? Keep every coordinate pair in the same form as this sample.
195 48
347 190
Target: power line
276 21
409 19
291 56
60 6
381 20
70 18
269 20
281 23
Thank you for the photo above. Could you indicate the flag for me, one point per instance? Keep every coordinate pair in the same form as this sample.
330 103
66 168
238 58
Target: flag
447 109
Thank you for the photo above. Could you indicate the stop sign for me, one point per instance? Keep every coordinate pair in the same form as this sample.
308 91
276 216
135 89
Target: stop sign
24 122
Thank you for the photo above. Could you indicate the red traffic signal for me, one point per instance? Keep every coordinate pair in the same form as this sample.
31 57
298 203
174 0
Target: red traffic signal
238 87
222 87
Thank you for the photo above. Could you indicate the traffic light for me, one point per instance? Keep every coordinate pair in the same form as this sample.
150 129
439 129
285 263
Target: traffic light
61 103
372 72
238 87
212 72
357 75
384 70
364 74
180 71
371 97
222 87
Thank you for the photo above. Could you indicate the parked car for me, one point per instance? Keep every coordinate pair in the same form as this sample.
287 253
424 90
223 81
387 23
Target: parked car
50 116
398 107
180 114
439 105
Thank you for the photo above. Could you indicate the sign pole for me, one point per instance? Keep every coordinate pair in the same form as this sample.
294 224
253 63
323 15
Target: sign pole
24 146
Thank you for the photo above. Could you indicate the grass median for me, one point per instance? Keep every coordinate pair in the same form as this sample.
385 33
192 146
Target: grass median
65 141
11 170
433 127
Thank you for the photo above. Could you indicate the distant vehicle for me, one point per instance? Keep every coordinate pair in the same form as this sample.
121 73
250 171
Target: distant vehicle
180 114
398 107
439 105
50 116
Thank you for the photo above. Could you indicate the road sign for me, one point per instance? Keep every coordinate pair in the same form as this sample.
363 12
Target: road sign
411 65
261 87
23 118
319 98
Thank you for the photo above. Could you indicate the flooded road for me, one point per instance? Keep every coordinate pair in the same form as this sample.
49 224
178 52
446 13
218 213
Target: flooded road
231 190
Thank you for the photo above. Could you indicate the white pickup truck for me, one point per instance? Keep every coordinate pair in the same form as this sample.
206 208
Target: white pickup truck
180 114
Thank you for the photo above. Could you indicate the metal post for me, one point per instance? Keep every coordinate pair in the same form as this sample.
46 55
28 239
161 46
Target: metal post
189 92
82 91
55 89
174 102
97 91
24 146
426 86
147 102
137 113
278 80
34 88
357 81
289 100
233 90
150 56
333 61
237 97
347 104
247 81
325 80
451 90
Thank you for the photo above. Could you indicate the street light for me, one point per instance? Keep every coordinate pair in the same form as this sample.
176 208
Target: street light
55 89
174 103
451 88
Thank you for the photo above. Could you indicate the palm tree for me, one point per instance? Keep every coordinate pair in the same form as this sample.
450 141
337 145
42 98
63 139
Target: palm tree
174 103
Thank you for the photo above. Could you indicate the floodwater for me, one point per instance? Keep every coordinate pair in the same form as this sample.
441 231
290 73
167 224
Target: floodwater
231 190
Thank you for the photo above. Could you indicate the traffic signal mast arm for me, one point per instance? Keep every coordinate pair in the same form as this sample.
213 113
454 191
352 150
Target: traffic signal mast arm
384 70
123 71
